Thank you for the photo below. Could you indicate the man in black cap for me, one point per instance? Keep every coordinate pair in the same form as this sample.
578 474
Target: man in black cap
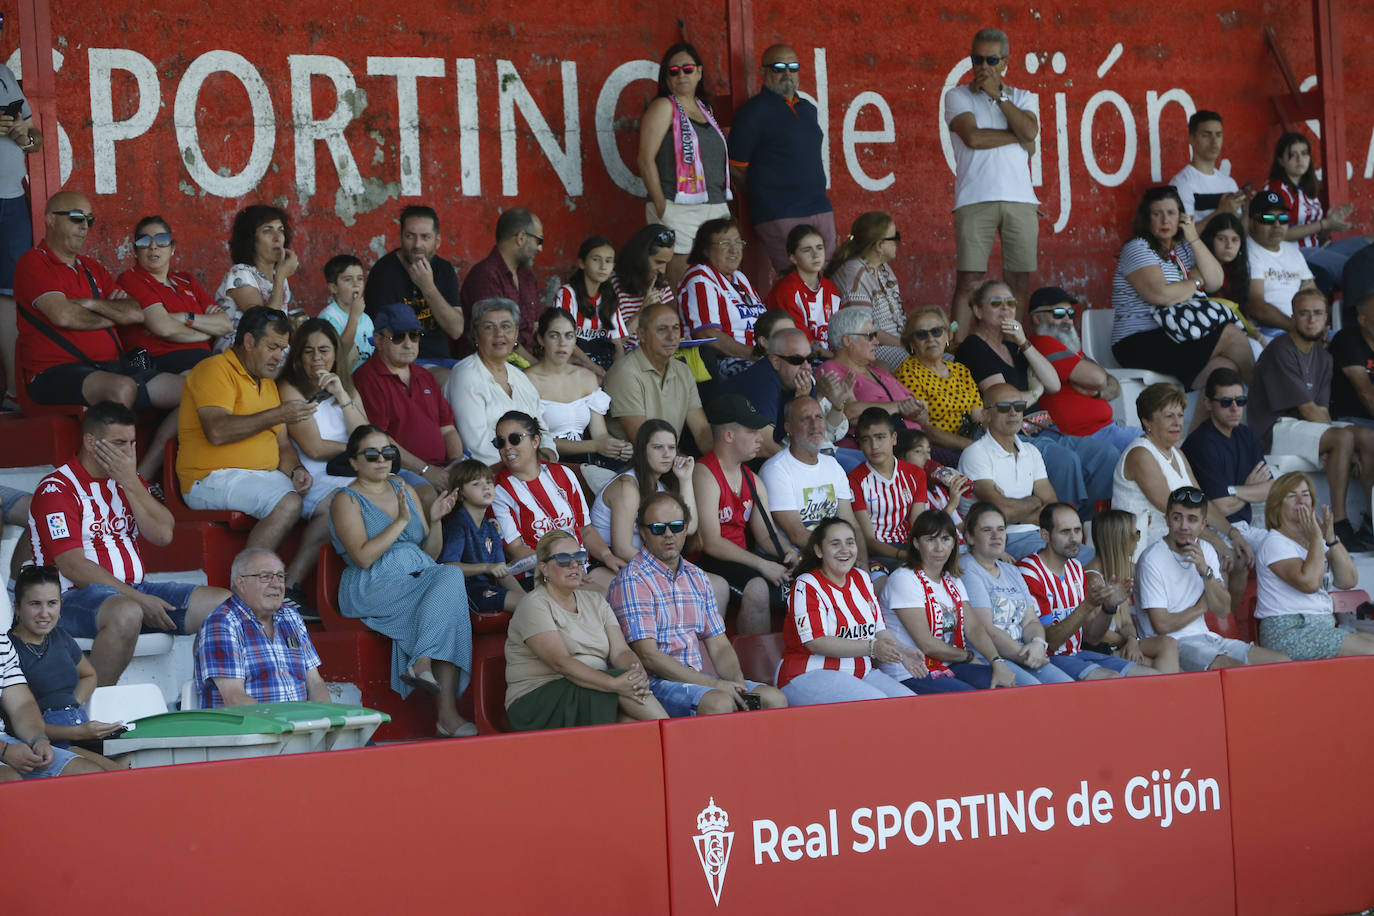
732 515
1278 271
1082 405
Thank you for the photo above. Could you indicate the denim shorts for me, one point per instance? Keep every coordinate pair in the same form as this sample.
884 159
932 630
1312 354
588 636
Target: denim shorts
1078 665
60 758
81 605
681 699
16 237
67 715
9 498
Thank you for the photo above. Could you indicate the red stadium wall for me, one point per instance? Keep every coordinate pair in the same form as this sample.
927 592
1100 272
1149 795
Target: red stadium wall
1242 792
343 117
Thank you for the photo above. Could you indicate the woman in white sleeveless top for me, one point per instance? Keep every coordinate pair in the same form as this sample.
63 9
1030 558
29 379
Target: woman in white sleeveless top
1153 466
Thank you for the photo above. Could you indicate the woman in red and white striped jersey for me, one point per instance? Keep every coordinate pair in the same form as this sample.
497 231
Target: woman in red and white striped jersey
835 631
534 497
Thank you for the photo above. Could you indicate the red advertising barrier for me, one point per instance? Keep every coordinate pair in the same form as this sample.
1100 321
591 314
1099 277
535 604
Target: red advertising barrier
1114 794
1300 741
551 823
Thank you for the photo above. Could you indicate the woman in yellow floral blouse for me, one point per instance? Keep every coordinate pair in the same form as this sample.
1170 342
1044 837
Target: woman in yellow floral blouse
945 385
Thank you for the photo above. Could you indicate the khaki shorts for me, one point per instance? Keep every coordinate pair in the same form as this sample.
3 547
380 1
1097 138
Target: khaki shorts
975 226
685 220
1300 437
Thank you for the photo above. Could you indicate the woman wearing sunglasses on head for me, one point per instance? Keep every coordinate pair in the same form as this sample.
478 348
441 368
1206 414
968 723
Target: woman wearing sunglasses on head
861 270
640 278
393 583
1158 270
953 402
180 320
683 158
534 497
567 662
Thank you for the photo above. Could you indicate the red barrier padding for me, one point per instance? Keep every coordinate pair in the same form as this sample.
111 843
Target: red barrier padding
862 803
1301 742
31 441
567 821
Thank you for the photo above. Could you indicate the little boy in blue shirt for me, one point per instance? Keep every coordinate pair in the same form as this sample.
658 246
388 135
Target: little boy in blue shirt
473 543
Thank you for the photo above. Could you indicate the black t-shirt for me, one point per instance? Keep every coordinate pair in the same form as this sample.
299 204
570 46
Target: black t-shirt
982 361
388 282
1349 348
1221 461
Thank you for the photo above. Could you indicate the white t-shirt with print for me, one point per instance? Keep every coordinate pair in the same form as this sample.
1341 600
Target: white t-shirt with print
814 490
1282 271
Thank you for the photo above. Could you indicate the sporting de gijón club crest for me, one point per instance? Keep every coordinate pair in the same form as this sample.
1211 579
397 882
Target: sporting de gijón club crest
713 842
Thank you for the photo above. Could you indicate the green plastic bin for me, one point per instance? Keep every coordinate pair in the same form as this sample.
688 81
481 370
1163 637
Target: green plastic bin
199 736
351 726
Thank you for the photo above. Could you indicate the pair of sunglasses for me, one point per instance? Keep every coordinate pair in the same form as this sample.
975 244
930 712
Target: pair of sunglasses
1234 402
1010 406
1062 311
1188 496
514 439
794 360
159 239
871 335
1271 218
398 336
665 238
689 69
780 67
567 559
991 60
928 333
76 216
389 453
657 529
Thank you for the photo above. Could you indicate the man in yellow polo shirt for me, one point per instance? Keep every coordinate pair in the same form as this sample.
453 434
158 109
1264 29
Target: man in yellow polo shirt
234 453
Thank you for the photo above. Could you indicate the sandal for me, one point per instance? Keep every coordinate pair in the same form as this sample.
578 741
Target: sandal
466 730
423 681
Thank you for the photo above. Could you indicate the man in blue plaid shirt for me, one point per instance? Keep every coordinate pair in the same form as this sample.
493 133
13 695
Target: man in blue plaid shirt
253 648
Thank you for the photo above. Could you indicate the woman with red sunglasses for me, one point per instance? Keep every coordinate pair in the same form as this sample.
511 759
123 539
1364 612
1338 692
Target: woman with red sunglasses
683 158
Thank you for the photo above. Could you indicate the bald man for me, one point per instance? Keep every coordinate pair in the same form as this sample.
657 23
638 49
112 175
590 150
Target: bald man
775 156
1008 472
70 310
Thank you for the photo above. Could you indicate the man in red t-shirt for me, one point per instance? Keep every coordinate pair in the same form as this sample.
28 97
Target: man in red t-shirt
85 519
1082 405
69 307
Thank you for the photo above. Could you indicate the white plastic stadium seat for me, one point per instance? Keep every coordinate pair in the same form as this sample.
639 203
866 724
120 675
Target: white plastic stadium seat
1097 344
124 703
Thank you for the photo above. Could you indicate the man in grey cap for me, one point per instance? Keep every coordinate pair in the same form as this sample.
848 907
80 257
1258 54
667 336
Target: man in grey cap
738 539
1082 405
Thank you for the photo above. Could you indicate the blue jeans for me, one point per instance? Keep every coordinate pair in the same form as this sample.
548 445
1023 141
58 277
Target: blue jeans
1078 665
680 699
927 685
979 673
81 605
849 458
1079 468
16 237
1118 437
67 715
817 687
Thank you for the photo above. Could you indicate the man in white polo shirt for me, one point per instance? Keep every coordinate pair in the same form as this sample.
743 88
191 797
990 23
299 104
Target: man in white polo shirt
992 129
1009 472
1177 584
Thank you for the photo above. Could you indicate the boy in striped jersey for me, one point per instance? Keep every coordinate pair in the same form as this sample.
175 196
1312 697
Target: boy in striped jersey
888 493
1073 608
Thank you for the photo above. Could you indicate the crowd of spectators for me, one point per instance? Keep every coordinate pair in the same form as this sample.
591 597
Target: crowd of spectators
664 455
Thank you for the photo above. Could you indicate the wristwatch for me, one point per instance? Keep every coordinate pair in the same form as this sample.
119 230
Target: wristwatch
1208 575
1005 97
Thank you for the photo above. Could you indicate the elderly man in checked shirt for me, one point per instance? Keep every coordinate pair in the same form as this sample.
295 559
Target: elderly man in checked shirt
253 648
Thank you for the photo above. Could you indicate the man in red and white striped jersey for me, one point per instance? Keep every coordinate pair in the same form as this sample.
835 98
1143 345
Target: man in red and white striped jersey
1074 605
888 493
85 519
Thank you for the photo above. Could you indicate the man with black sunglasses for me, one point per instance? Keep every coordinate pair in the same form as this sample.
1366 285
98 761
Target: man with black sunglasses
1226 458
775 156
992 129
1082 405
1278 271
669 614
69 350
